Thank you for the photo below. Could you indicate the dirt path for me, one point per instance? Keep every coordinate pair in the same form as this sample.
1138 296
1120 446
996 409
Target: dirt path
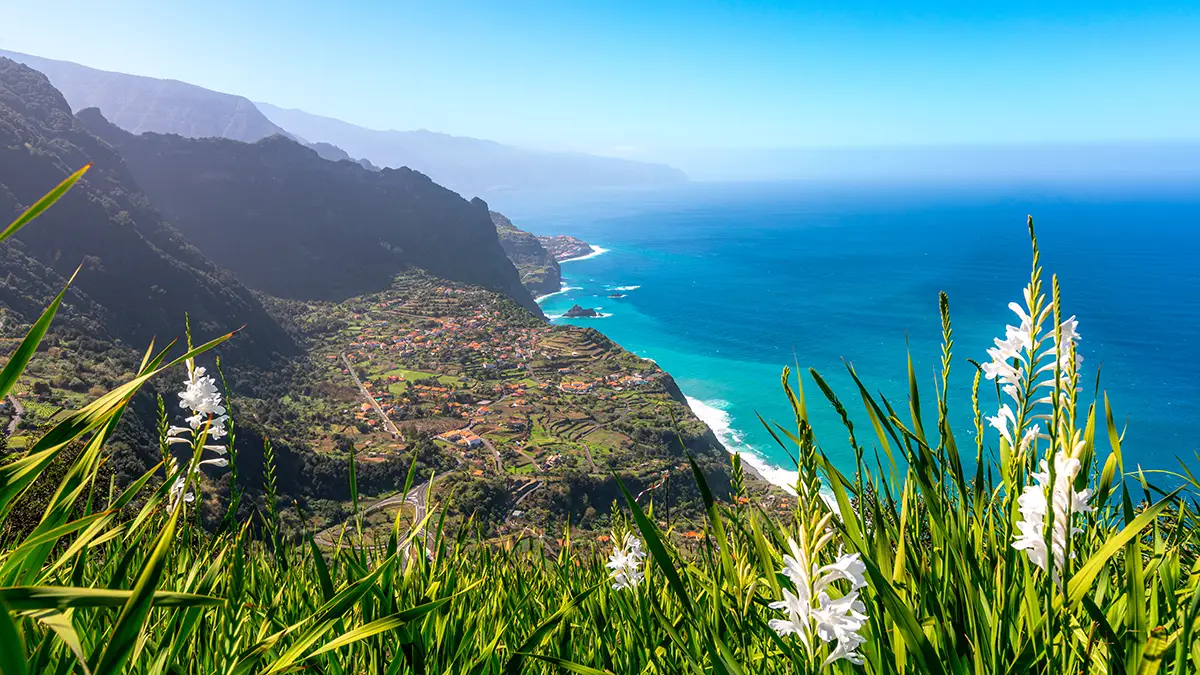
529 457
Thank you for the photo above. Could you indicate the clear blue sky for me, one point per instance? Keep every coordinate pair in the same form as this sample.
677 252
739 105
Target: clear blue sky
615 75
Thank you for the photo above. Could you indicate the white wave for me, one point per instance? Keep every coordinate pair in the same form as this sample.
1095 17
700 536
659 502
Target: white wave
624 288
596 250
721 424
564 289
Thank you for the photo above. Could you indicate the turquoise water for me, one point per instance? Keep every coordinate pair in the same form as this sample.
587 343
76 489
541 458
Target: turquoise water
726 284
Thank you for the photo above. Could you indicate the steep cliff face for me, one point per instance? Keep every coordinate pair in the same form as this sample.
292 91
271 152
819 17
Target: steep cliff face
149 104
539 270
291 224
139 274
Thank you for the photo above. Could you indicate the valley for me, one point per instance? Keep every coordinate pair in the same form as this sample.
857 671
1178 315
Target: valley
541 416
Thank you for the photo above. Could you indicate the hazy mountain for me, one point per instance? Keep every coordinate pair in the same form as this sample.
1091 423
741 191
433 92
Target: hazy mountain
471 165
142 104
333 153
539 270
294 225
139 274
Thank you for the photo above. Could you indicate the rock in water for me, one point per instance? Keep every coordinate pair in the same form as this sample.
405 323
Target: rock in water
577 312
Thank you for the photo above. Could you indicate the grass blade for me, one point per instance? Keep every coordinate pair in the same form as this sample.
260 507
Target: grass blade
44 203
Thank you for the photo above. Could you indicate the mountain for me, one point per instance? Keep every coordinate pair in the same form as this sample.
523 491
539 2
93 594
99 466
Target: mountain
539 270
140 275
140 104
293 225
333 153
471 165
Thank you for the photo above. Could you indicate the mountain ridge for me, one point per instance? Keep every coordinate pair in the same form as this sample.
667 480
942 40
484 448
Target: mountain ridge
472 165
294 225
466 165
138 103
141 272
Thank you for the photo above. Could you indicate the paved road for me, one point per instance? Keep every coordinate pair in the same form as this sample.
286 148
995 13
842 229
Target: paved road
370 399
416 496
495 453
18 412
488 444
537 485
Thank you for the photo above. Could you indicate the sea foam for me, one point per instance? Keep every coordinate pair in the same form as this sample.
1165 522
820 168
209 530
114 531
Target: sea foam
719 421
560 291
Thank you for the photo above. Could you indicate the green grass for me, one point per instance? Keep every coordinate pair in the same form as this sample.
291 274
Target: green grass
122 579
411 375
519 469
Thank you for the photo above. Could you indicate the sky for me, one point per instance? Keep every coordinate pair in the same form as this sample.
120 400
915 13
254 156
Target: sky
639 78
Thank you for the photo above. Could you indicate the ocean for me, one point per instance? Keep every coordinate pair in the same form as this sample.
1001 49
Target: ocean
725 284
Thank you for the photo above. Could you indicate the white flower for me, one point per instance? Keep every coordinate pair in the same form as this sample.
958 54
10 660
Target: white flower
848 567
208 420
1034 502
796 567
798 610
201 397
177 489
832 620
841 620
1070 336
625 563
846 648
1002 421
200 393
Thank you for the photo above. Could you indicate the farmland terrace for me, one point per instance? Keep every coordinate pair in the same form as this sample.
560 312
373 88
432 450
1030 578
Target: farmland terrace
506 398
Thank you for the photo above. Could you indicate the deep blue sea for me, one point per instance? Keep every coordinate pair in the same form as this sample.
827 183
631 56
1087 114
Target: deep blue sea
725 284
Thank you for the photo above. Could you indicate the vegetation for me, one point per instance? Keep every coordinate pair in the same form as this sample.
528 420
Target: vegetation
538 269
437 358
1043 559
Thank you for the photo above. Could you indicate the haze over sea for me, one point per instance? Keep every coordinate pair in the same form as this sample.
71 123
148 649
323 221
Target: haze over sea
725 284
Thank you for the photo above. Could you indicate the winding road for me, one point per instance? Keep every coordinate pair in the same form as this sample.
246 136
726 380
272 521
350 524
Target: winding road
416 496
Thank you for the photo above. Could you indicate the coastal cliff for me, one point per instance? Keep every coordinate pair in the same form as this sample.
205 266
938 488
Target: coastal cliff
538 269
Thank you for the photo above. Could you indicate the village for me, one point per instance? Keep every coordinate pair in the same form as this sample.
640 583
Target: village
448 360
507 396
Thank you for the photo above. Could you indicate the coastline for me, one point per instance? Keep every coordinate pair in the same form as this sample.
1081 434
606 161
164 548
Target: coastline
563 289
709 412
596 250
720 423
